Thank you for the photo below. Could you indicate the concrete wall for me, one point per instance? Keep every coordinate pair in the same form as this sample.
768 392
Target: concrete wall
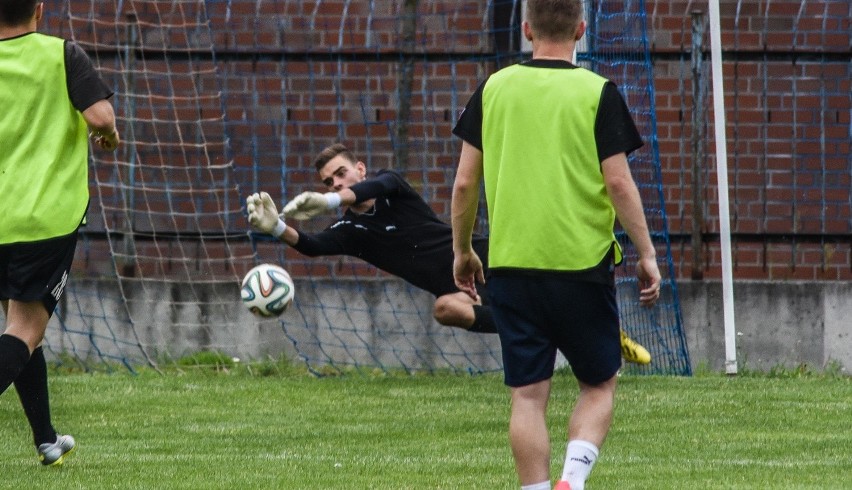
778 324
94 323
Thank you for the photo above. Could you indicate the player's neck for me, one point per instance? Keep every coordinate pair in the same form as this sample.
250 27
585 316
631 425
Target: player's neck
7 32
554 51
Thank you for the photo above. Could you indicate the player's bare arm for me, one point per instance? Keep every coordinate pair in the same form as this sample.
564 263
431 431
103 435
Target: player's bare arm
625 198
467 267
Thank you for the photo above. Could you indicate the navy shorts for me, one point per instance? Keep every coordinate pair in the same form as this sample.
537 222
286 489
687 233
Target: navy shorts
536 315
33 271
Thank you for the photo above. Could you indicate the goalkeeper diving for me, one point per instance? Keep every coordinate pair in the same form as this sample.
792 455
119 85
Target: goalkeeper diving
387 224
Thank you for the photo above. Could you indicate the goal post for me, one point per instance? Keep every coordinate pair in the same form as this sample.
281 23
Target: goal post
722 179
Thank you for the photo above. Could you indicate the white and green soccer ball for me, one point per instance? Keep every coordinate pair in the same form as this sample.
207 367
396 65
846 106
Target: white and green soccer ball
267 290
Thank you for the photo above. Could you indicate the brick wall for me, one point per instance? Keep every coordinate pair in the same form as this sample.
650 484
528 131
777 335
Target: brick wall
787 82
294 76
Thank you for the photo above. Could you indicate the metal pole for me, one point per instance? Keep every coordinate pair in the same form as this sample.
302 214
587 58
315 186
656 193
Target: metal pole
698 118
128 245
406 80
722 179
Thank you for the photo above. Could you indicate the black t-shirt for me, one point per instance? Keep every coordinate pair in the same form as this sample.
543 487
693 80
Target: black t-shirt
615 131
400 235
85 86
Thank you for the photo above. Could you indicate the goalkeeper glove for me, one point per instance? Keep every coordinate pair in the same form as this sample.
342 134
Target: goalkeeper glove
309 204
263 215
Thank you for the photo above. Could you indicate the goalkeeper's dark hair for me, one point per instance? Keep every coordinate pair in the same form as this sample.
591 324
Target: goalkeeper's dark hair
555 20
332 151
17 12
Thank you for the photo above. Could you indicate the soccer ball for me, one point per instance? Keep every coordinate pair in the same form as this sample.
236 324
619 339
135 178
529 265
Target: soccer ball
267 290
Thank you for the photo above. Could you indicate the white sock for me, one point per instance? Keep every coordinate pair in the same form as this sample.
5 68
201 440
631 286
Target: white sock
545 485
579 459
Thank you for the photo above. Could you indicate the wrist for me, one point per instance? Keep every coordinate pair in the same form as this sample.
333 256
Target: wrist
333 199
464 248
279 229
648 256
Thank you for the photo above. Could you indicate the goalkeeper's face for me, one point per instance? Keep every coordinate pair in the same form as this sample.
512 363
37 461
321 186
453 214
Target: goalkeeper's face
342 173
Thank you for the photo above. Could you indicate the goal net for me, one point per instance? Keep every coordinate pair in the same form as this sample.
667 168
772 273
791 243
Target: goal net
218 99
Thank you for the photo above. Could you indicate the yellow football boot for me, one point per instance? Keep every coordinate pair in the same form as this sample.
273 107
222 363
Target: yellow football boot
633 352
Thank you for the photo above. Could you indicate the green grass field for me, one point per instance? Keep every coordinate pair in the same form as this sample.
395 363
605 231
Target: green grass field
199 429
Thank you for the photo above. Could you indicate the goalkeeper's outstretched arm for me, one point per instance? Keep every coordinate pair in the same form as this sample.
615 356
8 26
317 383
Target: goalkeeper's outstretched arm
263 217
310 204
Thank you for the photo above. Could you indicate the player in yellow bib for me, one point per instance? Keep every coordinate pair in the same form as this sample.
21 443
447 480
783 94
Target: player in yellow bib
550 141
51 99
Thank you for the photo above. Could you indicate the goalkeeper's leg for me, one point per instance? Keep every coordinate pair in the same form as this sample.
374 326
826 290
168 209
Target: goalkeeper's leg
459 310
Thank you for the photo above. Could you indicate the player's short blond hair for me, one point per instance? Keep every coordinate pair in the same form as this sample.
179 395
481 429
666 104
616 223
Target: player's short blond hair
554 20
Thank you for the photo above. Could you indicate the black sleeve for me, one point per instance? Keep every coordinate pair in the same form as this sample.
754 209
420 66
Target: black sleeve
327 242
385 183
85 86
469 125
615 131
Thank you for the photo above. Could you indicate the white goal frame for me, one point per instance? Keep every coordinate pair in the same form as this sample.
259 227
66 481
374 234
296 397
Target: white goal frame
722 180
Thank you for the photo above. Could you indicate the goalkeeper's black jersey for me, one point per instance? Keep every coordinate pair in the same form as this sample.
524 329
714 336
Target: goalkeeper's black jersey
400 235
